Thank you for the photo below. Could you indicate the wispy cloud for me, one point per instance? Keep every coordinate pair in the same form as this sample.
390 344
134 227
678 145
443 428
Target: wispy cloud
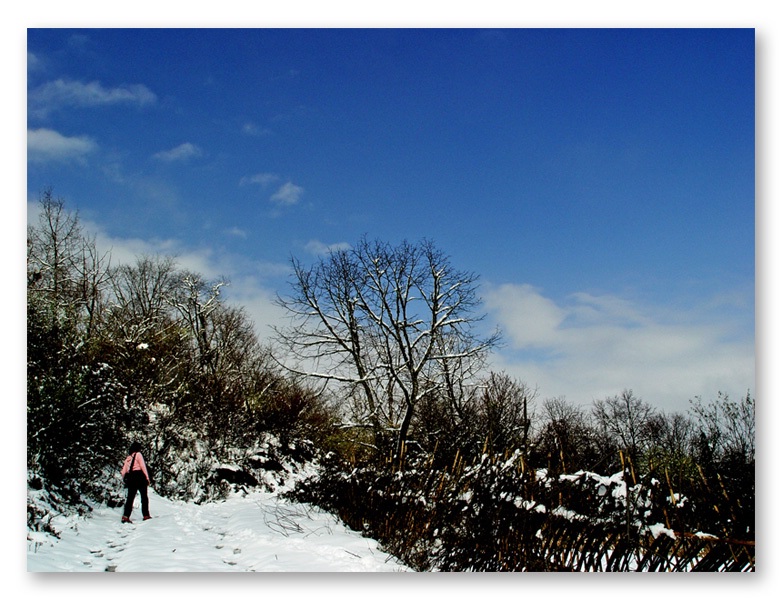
47 145
79 41
182 152
262 179
34 63
253 130
66 93
587 347
287 195
318 248
236 232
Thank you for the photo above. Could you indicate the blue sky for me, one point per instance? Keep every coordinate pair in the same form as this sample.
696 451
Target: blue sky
600 182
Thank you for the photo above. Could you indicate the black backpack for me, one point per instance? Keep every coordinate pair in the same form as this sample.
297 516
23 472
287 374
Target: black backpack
126 478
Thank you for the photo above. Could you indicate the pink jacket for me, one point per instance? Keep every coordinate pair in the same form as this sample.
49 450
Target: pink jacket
138 465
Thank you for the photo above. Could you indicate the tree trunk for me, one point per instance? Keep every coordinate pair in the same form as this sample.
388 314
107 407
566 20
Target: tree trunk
403 429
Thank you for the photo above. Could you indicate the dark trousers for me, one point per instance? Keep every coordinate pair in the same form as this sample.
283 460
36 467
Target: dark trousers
137 483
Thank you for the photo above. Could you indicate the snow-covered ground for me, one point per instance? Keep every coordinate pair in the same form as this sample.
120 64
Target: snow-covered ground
256 532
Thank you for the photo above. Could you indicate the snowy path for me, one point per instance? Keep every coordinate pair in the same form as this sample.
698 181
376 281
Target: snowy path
257 532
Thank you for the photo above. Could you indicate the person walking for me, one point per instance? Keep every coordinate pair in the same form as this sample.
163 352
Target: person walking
136 478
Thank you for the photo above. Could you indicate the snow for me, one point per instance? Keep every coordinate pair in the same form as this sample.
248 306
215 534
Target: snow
658 528
246 532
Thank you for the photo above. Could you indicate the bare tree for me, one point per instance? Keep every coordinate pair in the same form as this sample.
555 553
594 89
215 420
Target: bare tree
139 306
143 331
65 272
671 434
74 399
504 408
52 251
392 324
727 427
196 300
627 420
565 440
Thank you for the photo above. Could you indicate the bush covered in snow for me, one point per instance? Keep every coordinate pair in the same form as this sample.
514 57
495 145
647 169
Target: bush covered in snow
498 514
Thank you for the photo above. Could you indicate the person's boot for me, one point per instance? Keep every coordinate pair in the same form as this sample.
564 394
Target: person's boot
126 520
147 517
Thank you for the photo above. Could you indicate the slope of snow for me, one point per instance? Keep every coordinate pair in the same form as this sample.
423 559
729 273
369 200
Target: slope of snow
253 532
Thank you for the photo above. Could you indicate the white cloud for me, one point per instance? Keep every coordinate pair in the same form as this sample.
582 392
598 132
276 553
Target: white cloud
236 232
47 145
182 152
262 179
62 93
258 301
588 347
318 248
288 194
528 318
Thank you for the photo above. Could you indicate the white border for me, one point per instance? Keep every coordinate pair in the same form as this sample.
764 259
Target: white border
400 13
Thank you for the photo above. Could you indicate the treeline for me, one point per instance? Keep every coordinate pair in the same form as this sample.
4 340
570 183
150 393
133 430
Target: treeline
385 381
613 486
